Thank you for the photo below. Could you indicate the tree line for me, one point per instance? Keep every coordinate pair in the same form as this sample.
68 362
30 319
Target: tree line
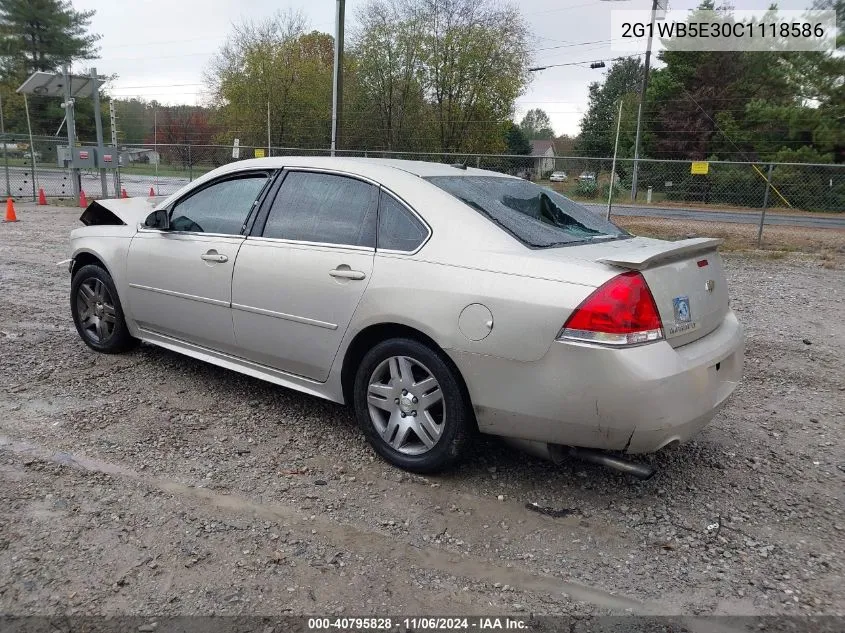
444 76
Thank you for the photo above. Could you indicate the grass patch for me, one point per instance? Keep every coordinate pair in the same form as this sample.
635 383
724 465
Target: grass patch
827 245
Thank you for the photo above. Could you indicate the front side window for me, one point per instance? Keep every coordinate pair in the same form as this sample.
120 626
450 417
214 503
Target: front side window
398 229
536 216
219 208
325 208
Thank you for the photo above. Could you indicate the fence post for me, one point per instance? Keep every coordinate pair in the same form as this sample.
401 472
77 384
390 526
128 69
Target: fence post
765 204
190 165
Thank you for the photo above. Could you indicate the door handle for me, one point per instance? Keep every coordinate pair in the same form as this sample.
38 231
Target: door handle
214 256
342 273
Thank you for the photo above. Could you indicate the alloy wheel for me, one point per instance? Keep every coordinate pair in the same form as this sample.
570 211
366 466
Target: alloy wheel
406 405
95 307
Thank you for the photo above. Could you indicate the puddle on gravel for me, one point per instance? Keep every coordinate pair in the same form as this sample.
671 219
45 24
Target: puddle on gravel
349 537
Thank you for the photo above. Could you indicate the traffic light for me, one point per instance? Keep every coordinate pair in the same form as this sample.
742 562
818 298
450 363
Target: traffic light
597 65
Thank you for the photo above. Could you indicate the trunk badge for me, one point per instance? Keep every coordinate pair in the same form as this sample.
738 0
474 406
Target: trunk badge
709 285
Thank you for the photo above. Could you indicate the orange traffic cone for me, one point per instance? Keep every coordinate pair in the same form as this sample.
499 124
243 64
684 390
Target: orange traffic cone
83 201
123 193
42 199
10 211
152 192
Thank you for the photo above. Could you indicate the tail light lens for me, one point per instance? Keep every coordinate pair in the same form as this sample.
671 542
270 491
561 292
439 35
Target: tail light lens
620 312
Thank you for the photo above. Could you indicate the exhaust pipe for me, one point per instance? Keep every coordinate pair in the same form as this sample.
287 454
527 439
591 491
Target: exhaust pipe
640 471
558 454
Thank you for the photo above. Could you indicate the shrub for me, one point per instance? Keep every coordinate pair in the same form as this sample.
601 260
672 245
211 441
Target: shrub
586 189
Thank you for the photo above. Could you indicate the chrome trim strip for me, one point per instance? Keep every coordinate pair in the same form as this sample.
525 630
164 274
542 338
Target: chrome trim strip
214 236
331 170
279 240
286 317
182 295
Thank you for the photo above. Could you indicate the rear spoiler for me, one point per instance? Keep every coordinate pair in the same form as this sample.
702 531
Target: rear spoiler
643 255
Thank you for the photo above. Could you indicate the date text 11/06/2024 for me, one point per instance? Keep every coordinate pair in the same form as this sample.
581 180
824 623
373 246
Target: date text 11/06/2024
418 624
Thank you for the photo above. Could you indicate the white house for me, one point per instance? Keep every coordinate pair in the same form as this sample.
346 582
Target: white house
543 153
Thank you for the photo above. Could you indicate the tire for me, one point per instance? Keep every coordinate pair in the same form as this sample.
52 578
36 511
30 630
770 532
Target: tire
97 313
434 432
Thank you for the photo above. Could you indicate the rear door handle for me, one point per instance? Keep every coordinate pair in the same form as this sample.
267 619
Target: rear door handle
345 273
214 256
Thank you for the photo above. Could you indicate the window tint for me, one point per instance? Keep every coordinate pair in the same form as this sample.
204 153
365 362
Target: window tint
314 207
536 216
221 208
398 229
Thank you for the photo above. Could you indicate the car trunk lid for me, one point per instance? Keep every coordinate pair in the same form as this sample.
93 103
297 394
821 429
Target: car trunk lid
686 278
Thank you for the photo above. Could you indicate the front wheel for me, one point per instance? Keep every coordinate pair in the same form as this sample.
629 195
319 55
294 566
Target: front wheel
411 406
97 312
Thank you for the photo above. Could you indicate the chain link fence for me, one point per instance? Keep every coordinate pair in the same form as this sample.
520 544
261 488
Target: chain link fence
734 200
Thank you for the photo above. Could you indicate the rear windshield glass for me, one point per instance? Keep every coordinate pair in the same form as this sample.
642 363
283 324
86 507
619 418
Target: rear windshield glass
536 216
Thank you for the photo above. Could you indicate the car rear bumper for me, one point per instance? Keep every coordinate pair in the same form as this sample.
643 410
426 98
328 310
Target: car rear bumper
638 399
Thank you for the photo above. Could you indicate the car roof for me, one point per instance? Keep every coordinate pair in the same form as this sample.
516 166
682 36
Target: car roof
362 166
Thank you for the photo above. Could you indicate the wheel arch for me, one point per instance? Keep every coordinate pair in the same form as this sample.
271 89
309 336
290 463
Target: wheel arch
84 257
374 334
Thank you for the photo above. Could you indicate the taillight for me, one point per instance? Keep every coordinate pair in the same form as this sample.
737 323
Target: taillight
620 312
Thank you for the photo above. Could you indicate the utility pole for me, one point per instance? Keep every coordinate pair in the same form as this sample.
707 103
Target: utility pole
98 124
5 155
71 133
643 89
269 153
613 164
337 87
155 144
113 118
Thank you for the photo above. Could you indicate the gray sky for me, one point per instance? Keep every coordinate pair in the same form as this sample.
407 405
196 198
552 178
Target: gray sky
159 48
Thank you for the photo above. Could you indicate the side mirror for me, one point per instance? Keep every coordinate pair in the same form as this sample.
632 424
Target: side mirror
158 219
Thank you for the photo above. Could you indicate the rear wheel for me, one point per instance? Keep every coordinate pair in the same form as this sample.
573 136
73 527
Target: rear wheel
411 406
97 312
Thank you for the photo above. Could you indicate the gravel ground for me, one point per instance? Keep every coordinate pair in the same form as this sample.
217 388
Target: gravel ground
153 483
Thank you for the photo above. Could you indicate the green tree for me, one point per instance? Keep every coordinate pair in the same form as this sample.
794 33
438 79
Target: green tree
440 76
536 125
598 127
135 120
516 141
42 35
275 64
389 75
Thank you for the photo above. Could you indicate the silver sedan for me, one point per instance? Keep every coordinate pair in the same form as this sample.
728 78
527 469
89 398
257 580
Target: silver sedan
436 300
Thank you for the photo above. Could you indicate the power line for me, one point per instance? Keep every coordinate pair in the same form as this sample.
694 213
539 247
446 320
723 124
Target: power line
581 63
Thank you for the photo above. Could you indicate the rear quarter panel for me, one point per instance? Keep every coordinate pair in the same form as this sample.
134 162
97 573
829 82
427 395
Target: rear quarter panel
428 296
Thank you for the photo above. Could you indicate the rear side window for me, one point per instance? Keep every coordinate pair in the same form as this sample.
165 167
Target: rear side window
398 229
536 216
219 208
326 208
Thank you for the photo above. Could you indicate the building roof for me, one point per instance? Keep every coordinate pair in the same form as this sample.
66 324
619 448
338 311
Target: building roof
541 146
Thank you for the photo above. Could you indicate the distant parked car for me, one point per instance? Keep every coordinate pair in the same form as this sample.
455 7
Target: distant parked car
558 176
587 176
524 174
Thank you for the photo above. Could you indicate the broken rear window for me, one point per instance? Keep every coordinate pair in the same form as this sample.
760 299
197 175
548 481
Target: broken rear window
536 216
